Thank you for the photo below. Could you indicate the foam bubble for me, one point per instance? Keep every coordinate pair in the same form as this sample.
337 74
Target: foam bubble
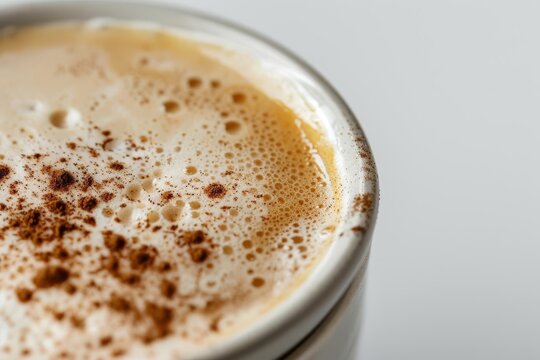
171 213
64 118
133 192
171 106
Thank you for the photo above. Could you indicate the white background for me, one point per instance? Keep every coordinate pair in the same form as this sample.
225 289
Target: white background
448 93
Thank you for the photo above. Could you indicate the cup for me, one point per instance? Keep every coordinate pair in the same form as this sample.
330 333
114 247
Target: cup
321 318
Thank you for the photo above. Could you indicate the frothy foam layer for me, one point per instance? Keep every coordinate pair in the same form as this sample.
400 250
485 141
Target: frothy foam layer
153 201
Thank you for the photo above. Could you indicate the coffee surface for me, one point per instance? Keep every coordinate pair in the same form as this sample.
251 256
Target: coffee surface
153 201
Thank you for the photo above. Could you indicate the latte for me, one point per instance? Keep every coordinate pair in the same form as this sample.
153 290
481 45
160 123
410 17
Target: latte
154 200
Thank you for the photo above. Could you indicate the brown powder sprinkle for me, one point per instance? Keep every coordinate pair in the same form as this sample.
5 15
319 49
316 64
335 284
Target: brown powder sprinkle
38 227
114 242
194 237
58 315
32 218
61 180
107 196
164 267
143 257
198 254
26 352
167 196
33 225
363 203
57 207
25 225
90 220
60 228
111 264
60 253
13 188
77 322
215 191
214 325
87 183
93 152
116 165
118 352
105 341
130 279
88 203
161 317
50 276
167 288
4 172
106 145
24 295
70 289
358 229
120 304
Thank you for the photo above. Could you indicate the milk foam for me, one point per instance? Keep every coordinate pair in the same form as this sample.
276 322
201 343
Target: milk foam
155 201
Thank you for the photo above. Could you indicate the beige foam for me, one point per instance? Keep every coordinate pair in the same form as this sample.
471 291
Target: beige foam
223 195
